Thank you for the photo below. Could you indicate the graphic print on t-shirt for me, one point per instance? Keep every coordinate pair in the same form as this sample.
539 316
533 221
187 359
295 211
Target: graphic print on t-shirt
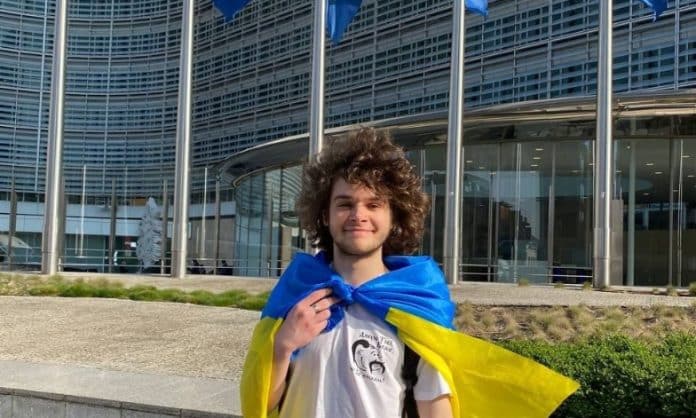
368 353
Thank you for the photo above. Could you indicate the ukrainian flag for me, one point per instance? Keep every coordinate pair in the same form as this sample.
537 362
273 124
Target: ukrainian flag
485 379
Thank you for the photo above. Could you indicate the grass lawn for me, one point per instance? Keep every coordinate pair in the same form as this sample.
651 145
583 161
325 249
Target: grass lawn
497 323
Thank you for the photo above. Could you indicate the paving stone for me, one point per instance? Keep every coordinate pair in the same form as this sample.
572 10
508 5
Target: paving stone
5 405
75 410
28 407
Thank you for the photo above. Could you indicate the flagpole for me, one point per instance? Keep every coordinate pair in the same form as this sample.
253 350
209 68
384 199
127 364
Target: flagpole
316 103
603 169
454 148
54 158
183 144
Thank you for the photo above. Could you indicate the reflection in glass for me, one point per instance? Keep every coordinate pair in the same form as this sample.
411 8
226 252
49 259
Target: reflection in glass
656 181
527 210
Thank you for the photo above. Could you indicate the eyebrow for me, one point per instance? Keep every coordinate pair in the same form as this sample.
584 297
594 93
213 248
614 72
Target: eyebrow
347 197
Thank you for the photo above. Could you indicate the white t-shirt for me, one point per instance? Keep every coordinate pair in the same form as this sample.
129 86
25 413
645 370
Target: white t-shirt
355 371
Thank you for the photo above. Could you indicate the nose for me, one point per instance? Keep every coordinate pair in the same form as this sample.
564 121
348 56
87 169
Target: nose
357 213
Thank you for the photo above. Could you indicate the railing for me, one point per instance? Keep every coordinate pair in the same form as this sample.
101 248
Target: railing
541 273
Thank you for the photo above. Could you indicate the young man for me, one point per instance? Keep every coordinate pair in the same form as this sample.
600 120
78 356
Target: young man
334 335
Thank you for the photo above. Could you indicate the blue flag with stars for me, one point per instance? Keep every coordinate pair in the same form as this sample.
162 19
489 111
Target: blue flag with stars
658 6
229 8
341 12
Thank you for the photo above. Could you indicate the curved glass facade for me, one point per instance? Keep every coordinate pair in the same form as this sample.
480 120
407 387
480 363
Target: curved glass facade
251 86
121 90
527 201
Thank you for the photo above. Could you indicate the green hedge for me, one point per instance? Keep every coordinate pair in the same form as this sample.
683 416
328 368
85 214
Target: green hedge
621 376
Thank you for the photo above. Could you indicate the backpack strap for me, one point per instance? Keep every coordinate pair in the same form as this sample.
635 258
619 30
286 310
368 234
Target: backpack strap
409 373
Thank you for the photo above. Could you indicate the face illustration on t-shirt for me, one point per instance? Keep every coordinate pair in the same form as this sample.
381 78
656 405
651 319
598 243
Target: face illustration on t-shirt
369 354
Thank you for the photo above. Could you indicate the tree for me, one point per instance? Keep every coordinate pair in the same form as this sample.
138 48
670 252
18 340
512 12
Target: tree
150 238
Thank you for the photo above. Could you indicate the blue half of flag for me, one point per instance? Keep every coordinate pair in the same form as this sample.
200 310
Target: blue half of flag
340 13
229 8
658 6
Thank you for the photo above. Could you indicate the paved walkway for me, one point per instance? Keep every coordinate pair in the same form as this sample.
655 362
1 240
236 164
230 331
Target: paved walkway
177 355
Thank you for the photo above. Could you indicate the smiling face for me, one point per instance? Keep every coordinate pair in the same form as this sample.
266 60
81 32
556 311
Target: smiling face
359 220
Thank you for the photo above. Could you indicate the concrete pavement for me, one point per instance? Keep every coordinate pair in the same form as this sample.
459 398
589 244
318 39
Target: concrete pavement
102 357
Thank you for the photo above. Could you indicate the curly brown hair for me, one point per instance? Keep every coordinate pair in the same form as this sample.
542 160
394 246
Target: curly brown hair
370 159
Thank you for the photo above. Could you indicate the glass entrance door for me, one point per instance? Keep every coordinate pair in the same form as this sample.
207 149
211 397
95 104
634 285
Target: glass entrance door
656 181
527 212
682 270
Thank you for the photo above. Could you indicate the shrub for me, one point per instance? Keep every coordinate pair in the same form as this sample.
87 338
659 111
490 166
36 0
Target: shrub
143 293
692 289
623 377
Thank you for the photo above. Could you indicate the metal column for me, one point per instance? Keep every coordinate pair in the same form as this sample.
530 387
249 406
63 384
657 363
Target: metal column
54 155
183 143
216 240
165 225
12 227
113 207
631 242
603 162
451 234
316 104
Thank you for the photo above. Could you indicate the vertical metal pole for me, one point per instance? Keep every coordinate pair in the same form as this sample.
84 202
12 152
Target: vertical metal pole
13 224
603 162
680 210
112 225
433 211
202 252
216 241
183 143
54 155
39 120
551 222
489 232
670 267
451 231
316 104
83 202
165 224
269 246
496 220
631 244
63 217
518 213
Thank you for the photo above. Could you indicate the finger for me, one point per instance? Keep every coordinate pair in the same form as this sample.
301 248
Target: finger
323 316
318 295
325 303
320 326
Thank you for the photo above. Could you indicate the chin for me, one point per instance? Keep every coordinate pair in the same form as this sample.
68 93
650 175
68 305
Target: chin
356 251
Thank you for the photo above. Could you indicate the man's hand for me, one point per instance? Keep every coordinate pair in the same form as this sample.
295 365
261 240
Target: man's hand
305 321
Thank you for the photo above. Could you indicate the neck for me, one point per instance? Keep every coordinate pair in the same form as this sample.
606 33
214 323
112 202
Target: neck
358 269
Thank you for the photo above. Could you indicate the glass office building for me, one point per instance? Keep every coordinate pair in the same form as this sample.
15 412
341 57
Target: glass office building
527 203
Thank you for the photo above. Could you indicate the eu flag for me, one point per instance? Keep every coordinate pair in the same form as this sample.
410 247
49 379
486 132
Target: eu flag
658 6
229 8
340 13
